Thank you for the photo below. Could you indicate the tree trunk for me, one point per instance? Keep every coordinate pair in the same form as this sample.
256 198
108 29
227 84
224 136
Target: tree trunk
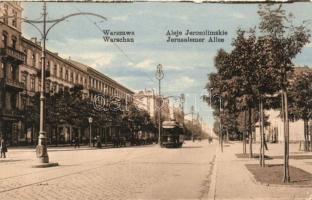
306 137
309 133
56 137
244 132
260 133
32 133
250 133
286 178
262 163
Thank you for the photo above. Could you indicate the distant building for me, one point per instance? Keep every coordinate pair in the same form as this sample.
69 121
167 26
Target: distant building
146 100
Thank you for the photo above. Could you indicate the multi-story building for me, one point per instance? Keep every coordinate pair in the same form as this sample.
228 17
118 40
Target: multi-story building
146 100
100 84
20 68
11 59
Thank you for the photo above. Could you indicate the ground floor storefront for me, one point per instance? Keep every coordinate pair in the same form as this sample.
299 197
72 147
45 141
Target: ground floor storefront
18 133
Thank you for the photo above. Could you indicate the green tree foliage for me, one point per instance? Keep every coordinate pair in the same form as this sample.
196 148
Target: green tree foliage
300 107
286 42
257 66
138 117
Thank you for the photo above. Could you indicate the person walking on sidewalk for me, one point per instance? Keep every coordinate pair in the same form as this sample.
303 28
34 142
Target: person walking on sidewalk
77 142
3 147
94 141
265 143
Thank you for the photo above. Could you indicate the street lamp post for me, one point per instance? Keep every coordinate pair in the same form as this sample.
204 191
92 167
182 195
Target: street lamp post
182 99
41 149
220 124
159 75
90 119
192 112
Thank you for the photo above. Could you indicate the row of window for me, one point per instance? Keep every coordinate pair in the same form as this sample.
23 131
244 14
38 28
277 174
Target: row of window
9 70
66 74
62 72
77 78
5 39
55 87
99 85
50 86
56 70
7 19
24 80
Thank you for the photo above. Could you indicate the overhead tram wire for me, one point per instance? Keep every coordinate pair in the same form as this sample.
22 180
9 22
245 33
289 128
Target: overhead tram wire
117 46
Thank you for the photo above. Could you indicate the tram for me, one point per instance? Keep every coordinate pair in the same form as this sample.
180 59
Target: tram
172 135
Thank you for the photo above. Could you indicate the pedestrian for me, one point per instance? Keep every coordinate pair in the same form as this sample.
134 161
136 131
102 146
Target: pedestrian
98 142
94 140
3 147
265 143
73 142
77 142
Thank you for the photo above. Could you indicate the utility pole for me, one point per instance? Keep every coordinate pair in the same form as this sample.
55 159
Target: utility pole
220 117
159 75
192 112
220 132
244 133
182 99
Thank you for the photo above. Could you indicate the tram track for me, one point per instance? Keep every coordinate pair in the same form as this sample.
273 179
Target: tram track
125 158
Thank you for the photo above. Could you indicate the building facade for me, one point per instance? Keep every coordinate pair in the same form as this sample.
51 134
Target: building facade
11 59
146 100
20 69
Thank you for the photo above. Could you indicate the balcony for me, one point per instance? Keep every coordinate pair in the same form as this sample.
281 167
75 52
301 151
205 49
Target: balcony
14 55
12 114
13 84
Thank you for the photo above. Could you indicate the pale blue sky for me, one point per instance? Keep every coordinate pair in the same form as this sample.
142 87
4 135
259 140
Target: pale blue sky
185 65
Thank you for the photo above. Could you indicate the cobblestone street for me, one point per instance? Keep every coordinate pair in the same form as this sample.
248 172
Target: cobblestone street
143 172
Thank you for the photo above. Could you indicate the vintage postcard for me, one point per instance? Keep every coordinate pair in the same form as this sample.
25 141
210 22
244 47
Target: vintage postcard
155 100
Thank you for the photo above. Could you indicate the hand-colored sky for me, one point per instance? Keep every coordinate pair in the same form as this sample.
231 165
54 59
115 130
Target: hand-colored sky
185 65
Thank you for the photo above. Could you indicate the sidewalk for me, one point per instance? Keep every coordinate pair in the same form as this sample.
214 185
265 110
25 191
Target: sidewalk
57 148
232 180
69 147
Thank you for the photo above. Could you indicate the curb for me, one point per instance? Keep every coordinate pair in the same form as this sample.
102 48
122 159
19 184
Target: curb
252 177
213 182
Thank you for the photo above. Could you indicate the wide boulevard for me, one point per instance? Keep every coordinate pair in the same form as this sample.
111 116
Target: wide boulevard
141 172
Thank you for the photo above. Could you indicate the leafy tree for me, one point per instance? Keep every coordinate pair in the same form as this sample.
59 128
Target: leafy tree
135 117
31 113
300 107
285 41
238 81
